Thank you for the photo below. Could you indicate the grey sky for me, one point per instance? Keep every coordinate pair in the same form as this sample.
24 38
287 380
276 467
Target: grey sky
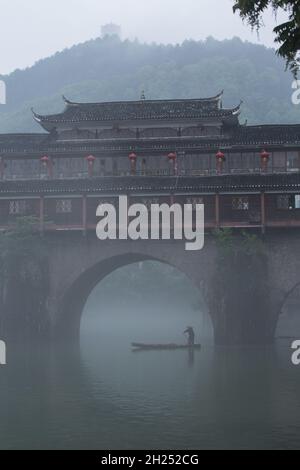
33 29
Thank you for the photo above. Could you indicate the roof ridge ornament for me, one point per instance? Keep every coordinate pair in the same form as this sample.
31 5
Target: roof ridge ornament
69 102
237 109
218 98
36 117
143 96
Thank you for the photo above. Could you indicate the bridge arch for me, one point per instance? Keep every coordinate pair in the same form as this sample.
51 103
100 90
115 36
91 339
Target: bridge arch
78 284
288 294
288 323
75 297
78 264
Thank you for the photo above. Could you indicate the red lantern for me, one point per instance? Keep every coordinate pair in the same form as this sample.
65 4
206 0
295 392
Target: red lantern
47 162
91 160
172 156
265 157
133 158
220 156
220 160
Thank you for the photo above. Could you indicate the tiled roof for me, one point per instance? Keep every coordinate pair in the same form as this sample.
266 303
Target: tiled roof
119 111
123 185
267 134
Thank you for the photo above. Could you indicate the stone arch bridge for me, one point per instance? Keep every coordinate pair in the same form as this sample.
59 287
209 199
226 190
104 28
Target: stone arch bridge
78 264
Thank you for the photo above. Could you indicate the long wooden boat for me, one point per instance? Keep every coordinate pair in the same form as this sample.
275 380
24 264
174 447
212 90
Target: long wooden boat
143 346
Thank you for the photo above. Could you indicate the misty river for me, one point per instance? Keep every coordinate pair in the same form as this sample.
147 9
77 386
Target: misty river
105 396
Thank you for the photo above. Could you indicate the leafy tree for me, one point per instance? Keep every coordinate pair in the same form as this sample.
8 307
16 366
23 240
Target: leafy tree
224 239
109 69
287 34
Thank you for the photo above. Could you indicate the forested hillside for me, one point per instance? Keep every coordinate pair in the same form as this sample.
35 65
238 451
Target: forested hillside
110 69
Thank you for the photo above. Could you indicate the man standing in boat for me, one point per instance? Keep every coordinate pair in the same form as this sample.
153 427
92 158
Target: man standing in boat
191 335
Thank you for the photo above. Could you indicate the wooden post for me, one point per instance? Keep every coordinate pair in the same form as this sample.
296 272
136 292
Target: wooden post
42 214
133 160
217 209
2 168
84 214
263 213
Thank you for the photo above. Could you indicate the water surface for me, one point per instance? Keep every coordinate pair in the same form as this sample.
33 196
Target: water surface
108 397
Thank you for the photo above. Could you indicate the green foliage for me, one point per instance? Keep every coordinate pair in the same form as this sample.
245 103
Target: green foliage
21 241
252 244
246 244
22 251
287 34
224 239
109 69
23 280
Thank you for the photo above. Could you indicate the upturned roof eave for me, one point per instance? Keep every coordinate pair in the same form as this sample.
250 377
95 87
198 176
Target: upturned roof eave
215 98
52 121
49 121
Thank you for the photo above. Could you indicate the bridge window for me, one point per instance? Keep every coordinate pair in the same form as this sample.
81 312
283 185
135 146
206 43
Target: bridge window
64 206
17 207
115 168
144 165
283 202
288 201
279 161
158 132
197 131
102 167
235 161
248 161
194 201
69 167
203 161
292 161
197 163
240 203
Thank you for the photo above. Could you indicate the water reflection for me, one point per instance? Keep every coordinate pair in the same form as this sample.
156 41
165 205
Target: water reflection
220 398
104 396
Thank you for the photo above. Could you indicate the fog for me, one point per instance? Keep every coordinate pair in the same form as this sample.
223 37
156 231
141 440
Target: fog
154 303
144 302
33 29
104 394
